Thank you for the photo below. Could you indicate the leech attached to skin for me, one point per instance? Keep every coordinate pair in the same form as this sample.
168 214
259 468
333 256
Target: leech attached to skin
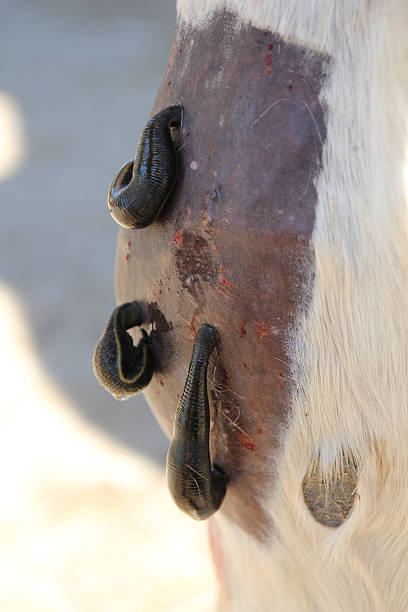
120 367
197 487
143 185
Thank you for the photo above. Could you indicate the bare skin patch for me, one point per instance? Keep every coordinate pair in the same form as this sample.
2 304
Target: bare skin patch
232 246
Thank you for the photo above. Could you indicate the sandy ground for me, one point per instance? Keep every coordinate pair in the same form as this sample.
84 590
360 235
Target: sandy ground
86 523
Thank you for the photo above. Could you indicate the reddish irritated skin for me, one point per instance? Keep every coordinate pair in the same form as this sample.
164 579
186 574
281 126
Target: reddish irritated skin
232 246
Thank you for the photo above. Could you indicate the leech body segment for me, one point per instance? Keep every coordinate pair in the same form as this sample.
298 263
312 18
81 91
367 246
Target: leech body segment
143 185
120 367
197 487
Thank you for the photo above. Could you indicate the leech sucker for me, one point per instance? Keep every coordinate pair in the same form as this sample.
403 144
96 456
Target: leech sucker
197 487
120 367
143 185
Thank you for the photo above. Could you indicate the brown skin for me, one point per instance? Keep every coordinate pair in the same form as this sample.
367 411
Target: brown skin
232 245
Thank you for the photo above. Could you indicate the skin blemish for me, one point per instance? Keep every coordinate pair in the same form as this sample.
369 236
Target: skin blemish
226 283
268 63
178 239
192 326
245 442
260 430
245 366
270 47
194 165
216 194
129 243
265 330
127 257
241 328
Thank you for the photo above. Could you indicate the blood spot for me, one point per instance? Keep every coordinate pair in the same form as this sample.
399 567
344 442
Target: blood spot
127 257
226 283
178 239
260 430
192 326
268 63
246 443
265 330
241 328
129 243
270 47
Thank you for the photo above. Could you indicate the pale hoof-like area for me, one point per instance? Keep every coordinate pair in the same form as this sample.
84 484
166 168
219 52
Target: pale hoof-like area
330 497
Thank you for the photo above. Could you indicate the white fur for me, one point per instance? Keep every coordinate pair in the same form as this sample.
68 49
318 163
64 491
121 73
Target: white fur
350 350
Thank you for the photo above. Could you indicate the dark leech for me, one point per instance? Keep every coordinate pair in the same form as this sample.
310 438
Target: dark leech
197 487
142 186
330 498
120 367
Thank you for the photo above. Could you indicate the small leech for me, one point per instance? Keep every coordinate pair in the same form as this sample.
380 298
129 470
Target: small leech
120 367
143 185
197 487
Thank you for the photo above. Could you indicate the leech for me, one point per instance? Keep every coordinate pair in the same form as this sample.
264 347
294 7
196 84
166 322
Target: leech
120 367
143 185
197 487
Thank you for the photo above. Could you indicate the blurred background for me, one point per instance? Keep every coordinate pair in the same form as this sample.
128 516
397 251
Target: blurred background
86 522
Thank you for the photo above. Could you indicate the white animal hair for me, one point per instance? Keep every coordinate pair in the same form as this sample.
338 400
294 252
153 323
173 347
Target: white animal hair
349 352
